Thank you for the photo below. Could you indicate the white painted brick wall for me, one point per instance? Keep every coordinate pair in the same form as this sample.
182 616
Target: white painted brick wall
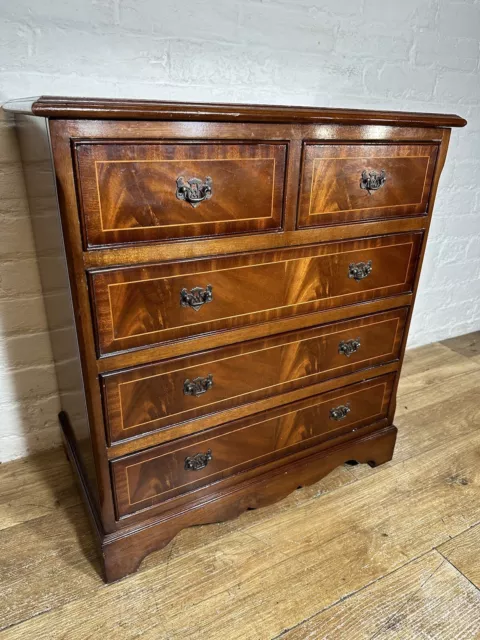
387 54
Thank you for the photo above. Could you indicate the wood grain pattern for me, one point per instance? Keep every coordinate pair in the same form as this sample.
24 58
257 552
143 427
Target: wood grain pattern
141 306
204 342
467 345
53 561
152 397
434 402
235 132
31 488
127 305
142 480
49 580
128 189
426 598
463 551
198 248
136 132
55 546
68 107
331 177
210 420
81 319
49 244
258 571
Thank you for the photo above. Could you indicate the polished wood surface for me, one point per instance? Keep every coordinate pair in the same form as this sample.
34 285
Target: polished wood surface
148 253
132 131
141 306
68 107
144 479
361 552
209 420
128 191
204 342
152 397
158 301
331 190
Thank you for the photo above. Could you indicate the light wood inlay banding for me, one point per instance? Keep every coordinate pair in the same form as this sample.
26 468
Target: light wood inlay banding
128 189
151 397
331 175
140 484
140 306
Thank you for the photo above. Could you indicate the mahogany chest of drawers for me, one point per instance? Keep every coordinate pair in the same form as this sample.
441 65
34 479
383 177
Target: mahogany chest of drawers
242 280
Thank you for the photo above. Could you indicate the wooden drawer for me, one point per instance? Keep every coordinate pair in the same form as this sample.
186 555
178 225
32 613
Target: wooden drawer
145 479
139 306
344 182
142 191
159 396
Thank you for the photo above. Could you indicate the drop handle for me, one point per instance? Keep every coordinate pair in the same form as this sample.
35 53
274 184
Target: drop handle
347 347
359 270
340 412
198 386
198 461
196 297
194 191
372 180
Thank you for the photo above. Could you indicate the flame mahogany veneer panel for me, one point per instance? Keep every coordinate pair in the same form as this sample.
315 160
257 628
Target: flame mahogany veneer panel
332 192
140 306
128 190
152 397
142 480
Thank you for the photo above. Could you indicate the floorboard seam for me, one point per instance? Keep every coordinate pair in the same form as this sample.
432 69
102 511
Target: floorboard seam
418 374
409 599
350 480
357 591
32 617
458 570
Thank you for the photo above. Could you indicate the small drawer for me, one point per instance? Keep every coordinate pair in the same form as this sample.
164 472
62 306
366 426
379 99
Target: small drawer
140 306
141 191
145 479
187 390
352 182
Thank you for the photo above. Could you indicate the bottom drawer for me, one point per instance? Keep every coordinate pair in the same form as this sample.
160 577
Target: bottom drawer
144 479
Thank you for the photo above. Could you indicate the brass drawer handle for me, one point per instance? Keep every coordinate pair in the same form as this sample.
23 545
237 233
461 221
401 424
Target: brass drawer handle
372 180
194 191
198 461
340 412
196 297
359 270
347 347
198 386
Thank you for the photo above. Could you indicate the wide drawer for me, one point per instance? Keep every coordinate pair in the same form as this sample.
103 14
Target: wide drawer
140 306
145 479
352 182
149 190
189 389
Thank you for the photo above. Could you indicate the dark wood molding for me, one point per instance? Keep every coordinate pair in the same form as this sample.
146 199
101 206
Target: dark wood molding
92 108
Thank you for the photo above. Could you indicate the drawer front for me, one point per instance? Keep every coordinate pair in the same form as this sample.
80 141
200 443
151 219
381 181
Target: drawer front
136 307
353 182
146 191
145 479
159 396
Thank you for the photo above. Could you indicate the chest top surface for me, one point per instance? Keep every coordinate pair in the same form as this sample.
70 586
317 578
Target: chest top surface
70 107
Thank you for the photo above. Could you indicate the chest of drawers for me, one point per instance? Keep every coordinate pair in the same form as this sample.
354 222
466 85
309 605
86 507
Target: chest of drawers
240 285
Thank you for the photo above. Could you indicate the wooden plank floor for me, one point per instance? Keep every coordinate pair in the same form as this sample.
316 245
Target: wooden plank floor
392 552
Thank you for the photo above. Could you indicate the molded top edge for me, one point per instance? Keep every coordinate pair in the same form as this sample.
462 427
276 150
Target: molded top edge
102 108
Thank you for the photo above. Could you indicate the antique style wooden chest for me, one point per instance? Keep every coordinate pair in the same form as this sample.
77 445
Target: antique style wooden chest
242 280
